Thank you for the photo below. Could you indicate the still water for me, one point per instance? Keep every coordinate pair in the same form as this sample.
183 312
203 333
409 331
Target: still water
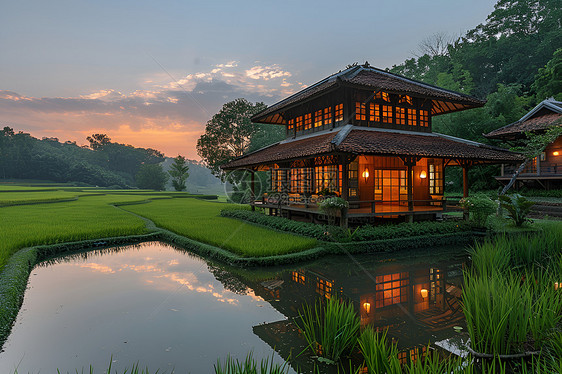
170 310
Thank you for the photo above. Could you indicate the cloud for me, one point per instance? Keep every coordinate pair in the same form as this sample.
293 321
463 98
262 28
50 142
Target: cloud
168 116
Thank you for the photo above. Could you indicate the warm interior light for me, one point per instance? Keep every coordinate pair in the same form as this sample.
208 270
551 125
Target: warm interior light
555 153
423 293
556 285
367 307
366 174
423 174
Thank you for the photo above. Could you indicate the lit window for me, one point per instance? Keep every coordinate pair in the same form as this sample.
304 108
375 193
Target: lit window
400 116
391 289
374 113
308 121
435 177
412 117
387 114
360 111
291 124
318 118
339 112
383 96
424 118
326 178
327 115
406 99
299 123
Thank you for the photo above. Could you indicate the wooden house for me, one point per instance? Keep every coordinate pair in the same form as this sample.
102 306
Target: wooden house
545 170
365 135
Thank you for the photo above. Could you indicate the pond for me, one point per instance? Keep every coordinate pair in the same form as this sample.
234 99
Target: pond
171 310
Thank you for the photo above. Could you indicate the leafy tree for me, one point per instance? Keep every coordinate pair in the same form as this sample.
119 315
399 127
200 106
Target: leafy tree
229 133
151 176
179 173
548 82
98 141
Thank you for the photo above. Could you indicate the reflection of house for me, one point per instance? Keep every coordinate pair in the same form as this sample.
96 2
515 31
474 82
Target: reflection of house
366 135
546 169
418 303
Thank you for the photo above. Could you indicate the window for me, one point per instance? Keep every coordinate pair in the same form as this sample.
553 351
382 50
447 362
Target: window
298 277
391 289
435 177
400 116
377 178
406 99
308 121
299 123
300 180
326 177
290 124
360 111
318 118
339 112
278 180
383 96
424 118
374 115
327 116
386 114
412 117
324 288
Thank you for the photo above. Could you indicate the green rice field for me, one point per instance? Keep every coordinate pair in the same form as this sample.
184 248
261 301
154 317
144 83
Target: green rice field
37 216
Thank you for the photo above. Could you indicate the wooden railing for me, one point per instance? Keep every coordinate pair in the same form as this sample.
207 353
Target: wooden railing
280 200
532 169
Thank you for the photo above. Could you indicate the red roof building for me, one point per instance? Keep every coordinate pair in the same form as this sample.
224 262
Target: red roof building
365 134
545 170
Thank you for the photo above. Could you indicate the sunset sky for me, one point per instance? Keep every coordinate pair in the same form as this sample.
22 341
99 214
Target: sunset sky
152 73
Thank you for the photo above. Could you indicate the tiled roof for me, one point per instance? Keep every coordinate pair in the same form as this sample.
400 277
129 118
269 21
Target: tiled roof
370 78
300 148
377 142
541 117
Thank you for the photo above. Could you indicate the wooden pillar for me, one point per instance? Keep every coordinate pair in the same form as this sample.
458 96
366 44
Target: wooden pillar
344 178
465 180
252 191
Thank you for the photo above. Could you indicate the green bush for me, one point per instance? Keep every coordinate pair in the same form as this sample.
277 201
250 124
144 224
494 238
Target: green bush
363 233
480 208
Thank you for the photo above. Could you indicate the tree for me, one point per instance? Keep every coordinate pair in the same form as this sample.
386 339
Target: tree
151 176
228 134
548 82
179 173
98 141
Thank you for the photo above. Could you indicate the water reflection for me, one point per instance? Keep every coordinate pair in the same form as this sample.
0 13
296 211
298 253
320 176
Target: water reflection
169 308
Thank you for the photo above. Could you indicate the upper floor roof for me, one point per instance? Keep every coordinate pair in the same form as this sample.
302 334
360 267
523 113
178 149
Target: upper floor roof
368 78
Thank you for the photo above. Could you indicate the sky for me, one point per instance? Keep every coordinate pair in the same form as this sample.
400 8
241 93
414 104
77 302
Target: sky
152 73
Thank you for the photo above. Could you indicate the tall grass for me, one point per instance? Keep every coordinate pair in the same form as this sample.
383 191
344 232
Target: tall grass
330 327
510 300
250 366
200 220
380 355
433 363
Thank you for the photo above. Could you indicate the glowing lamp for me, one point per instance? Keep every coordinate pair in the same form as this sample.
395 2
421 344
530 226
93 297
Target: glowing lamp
423 293
556 285
367 307
555 153
365 174
423 174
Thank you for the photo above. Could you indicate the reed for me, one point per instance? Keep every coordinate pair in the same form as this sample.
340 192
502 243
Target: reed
433 363
250 366
380 355
330 327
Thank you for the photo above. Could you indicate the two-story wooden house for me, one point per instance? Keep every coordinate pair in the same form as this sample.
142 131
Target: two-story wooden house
365 134
545 170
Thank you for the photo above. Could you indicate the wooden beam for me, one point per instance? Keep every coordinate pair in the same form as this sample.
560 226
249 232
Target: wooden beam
465 180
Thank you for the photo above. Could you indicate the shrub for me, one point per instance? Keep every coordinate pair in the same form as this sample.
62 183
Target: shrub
480 208
517 206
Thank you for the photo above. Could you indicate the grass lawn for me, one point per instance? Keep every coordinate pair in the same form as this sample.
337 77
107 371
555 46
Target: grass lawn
200 220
